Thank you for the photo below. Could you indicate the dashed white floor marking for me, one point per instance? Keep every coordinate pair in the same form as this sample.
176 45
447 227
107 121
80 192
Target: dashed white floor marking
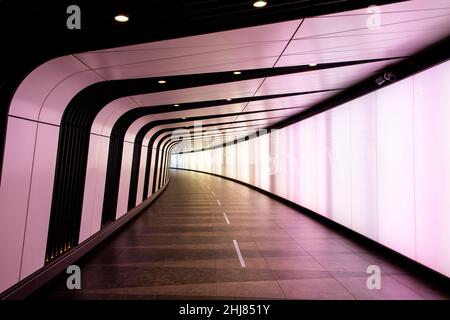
226 218
238 251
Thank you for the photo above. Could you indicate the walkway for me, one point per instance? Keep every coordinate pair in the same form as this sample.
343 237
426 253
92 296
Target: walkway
207 237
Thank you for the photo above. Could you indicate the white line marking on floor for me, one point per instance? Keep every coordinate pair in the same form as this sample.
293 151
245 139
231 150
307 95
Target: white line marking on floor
218 202
238 251
213 193
226 218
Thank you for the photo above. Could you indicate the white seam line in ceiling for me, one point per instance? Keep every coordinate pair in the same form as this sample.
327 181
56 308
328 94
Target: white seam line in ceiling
89 67
172 58
384 12
365 28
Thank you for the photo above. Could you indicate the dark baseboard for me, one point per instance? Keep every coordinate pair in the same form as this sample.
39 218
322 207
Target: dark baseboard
426 273
33 282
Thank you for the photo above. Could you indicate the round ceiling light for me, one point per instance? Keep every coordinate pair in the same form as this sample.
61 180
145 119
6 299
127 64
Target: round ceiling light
260 4
121 18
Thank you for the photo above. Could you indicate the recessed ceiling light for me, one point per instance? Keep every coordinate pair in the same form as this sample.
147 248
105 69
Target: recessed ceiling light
259 3
176 105
162 81
229 99
183 118
313 64
237 72
121 18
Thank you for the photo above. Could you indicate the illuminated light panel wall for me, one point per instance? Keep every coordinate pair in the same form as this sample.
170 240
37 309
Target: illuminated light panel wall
379 165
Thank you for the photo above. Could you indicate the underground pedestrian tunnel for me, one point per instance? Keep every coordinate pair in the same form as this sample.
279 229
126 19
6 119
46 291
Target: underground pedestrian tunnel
290 151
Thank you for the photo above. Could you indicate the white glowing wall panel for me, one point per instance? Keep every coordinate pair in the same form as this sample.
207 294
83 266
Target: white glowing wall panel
230 162
395 174
432 167
307 163
243 161
323 178
40 201
340 165
379 164
277 150
217 160
16 179
264 161
292 169
363 144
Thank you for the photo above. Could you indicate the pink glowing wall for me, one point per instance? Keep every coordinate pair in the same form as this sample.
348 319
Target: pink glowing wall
379 165
29 165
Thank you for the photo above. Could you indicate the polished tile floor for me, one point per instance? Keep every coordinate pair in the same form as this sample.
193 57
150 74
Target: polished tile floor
209 238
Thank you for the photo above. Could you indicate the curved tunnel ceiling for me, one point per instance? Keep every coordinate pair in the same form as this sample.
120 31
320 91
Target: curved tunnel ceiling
40 28
285 68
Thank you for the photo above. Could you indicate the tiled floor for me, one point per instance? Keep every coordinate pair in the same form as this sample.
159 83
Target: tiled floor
182 247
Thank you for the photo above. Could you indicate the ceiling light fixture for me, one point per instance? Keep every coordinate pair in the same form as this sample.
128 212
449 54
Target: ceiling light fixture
121 18
237 72
259 3
183 118
176 105
313 64
229 99
162 81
